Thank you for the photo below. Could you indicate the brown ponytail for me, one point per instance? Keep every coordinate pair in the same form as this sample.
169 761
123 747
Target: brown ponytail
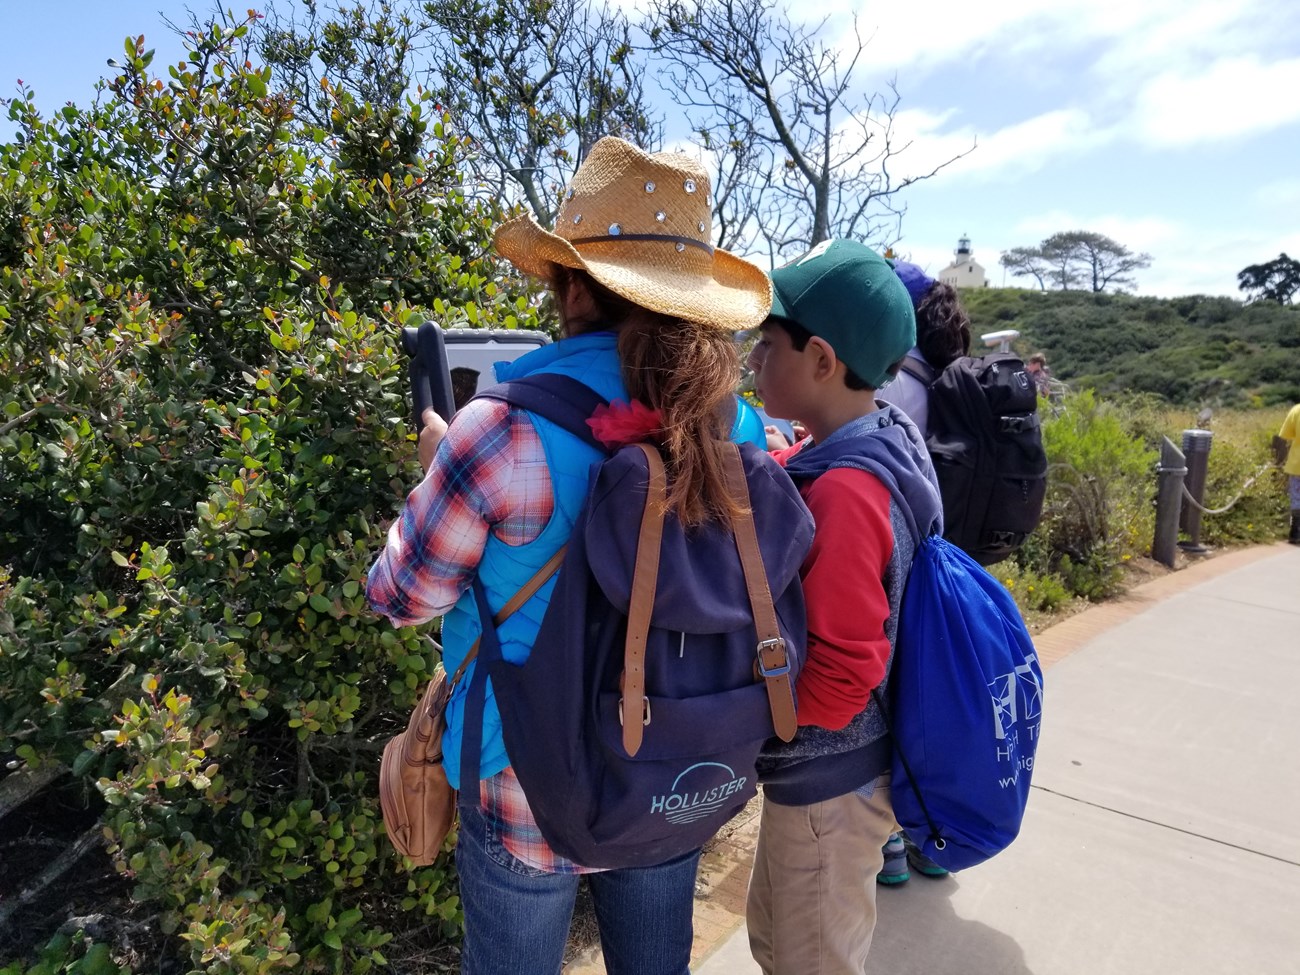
688 372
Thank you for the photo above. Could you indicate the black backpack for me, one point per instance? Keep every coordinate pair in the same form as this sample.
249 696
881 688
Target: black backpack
987 447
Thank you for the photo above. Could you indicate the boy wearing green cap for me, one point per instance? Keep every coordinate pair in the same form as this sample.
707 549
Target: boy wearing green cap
840 325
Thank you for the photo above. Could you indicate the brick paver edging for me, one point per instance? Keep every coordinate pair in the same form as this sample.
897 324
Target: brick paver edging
724 870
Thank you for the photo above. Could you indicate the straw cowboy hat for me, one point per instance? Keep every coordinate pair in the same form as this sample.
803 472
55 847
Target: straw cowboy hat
641 225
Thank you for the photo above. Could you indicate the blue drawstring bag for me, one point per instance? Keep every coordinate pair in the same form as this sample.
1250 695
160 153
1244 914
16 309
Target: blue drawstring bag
966 697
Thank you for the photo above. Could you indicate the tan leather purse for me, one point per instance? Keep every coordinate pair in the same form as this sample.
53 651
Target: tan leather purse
417 801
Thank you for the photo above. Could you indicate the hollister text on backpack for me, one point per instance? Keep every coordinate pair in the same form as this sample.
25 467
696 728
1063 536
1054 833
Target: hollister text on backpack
987 447
661 666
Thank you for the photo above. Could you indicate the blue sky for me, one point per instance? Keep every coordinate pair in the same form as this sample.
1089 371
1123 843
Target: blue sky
1171 125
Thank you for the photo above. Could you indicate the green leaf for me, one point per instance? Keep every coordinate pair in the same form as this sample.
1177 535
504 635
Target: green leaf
83 762
331 939
320 603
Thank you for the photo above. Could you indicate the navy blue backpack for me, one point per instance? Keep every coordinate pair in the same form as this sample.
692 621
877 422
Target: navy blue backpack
666 657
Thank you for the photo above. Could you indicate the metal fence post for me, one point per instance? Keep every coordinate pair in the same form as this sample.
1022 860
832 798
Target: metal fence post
1169 502
1196 447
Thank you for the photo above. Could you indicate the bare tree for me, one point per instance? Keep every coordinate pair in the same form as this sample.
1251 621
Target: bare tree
802 154
536 83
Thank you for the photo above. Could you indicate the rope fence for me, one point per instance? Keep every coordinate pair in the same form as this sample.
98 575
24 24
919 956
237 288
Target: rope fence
1187 495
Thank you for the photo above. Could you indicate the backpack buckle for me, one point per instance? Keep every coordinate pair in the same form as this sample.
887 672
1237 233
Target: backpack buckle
1019 424
645 718
778 670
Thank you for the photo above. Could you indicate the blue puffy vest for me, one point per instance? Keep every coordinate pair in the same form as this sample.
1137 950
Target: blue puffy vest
591 359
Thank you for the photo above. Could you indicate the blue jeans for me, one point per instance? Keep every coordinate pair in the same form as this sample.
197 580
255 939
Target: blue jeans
517 918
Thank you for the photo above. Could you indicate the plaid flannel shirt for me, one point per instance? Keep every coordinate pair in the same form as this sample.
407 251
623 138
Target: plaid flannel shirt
488 475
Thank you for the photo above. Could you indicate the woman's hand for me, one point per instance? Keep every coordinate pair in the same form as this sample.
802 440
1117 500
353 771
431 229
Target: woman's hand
431 434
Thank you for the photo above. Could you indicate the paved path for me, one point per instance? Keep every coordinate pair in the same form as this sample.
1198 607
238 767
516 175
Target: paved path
1164 831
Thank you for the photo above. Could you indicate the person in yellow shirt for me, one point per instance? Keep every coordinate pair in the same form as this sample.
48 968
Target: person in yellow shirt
1291 432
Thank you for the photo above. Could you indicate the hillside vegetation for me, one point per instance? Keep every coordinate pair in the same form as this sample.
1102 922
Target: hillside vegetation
1193 351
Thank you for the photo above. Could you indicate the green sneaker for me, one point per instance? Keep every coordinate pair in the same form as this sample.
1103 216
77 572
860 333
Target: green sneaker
895 870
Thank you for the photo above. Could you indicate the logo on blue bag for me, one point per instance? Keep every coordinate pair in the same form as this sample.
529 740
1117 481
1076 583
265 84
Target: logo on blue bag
698 792
1017 708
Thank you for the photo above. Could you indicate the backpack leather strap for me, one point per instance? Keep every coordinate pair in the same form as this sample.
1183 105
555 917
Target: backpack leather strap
773 663
633 707
518 599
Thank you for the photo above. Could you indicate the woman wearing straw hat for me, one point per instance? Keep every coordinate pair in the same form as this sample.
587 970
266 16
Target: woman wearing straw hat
648 309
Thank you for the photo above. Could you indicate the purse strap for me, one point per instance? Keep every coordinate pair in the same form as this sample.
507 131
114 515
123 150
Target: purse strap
772 659
633 707
518 599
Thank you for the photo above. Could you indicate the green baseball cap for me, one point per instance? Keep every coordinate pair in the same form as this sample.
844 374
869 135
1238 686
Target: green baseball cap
844 292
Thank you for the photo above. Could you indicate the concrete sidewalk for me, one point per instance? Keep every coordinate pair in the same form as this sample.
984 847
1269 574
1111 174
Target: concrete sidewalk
1164 831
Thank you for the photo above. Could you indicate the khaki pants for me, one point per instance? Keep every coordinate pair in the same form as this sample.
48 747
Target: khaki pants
812 895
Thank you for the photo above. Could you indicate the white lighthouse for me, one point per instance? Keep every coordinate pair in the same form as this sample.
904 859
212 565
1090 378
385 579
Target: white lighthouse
964 271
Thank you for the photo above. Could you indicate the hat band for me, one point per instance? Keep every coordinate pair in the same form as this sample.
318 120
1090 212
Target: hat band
690 241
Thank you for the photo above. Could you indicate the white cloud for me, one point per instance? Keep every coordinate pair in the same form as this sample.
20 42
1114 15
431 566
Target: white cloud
1135 233
1279 193
1136 34
1017 149
1234 97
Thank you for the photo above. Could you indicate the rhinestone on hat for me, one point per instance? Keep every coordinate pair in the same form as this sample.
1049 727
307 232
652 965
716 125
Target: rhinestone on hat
689 186
680 247
577 218
649 186
569 193
701 226
615 229
661 216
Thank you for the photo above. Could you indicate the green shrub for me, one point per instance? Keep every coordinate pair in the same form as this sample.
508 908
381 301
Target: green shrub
1034 592
1098 511
202 437
1240 467
1193 350
67 955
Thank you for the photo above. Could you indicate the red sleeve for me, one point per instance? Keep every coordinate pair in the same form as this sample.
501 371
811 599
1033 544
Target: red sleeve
843 579
783 455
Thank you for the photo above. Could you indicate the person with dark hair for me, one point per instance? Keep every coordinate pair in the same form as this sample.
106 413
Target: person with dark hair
648 308
942 335
1036 366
